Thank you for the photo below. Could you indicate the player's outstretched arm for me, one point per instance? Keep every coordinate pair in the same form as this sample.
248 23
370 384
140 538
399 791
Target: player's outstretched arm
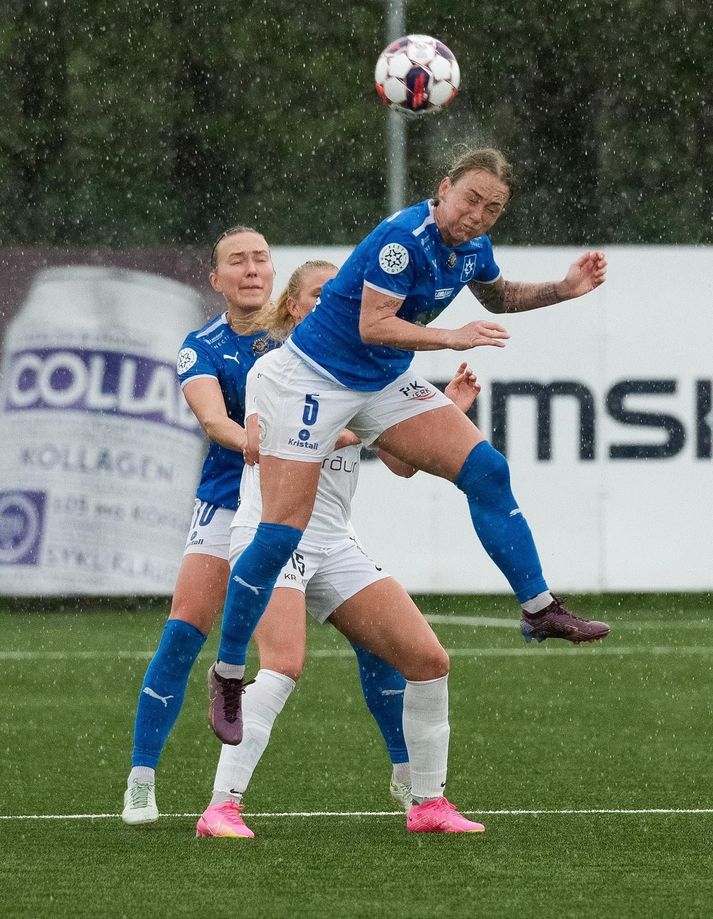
464 388
208 405
583 276
379 325
462 391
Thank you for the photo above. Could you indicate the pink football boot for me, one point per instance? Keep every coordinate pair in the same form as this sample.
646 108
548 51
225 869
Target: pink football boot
439 816
224 819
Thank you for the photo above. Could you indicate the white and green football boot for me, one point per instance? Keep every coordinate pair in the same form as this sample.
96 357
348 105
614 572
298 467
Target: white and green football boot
140 804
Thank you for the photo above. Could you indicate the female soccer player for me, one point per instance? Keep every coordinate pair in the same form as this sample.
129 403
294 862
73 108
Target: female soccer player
345 366
213 364
339 583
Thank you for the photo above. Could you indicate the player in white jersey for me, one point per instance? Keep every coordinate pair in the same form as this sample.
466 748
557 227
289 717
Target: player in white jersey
347 365
331 574
213 364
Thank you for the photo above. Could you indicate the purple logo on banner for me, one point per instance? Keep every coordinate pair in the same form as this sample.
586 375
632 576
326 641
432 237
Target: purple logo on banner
22 515
96 381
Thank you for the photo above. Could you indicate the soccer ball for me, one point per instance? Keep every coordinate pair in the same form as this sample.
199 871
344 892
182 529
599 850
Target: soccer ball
417 74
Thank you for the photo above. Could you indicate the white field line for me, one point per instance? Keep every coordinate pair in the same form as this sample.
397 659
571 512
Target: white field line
616 811
536 652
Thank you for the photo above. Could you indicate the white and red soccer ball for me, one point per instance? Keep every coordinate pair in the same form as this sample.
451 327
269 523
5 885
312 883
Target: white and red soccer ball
417 74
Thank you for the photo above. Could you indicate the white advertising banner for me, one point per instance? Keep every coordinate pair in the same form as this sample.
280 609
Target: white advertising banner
98 450
603 407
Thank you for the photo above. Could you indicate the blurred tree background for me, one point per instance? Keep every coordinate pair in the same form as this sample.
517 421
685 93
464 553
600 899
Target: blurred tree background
160 123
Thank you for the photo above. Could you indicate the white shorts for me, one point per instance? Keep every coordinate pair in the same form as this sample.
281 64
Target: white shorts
327 577
302 413
209 533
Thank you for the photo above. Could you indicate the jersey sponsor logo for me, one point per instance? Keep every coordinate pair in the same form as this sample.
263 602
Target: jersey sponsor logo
393 258
186 359
232 357
218 339
443 293
304 444
418 391
428 247
339 464
468 268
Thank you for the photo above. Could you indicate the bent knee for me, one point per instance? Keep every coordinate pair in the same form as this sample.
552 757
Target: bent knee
484 467
203 618
287 664
439 664
429 666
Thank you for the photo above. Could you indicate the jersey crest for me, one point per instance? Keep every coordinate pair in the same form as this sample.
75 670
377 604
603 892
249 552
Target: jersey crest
186 359
468 268
393 258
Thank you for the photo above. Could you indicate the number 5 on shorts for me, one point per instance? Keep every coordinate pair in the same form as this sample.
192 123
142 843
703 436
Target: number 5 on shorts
309 415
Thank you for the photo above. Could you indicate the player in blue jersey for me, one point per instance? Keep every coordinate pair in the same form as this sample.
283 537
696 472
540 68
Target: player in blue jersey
212 365
334 579
347 365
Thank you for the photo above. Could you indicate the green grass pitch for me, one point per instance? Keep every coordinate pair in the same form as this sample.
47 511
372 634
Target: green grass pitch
622 726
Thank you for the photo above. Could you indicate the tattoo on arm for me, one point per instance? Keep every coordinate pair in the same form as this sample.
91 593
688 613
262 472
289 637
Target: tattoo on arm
389 307
492 296
515 296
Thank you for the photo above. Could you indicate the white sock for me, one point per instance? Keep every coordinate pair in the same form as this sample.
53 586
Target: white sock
144 774
230 671
262 703
401 773
538 603
426 732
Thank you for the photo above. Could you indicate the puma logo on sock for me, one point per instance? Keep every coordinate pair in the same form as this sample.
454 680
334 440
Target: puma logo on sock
239 580
155 695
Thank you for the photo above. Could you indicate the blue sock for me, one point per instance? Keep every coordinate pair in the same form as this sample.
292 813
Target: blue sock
498 521
383 688
163 689
250 586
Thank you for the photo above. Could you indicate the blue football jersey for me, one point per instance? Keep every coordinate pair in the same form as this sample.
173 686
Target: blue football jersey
217 351
404 256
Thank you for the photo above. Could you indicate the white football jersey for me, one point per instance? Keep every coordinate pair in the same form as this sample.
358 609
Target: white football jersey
330 520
